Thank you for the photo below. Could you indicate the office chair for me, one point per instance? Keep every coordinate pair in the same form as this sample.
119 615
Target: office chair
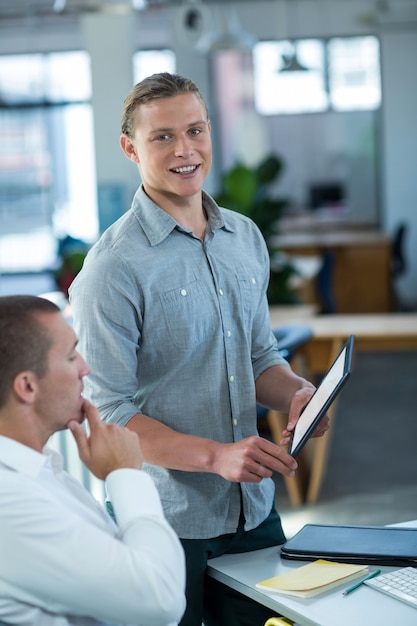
398 260
289 338
399 264
324 283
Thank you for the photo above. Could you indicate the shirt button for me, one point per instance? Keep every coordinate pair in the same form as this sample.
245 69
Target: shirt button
220 292
183 292
232 379
235 422
229 333
253 281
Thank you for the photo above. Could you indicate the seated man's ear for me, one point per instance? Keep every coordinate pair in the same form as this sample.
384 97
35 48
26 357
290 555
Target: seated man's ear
25 387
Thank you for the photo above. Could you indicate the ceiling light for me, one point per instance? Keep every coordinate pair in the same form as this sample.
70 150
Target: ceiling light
139 5
59 5
193 19
291 62
228 35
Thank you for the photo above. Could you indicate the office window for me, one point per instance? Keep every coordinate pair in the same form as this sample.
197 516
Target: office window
47 168
313 75
354 75
45 78
281 90
147 62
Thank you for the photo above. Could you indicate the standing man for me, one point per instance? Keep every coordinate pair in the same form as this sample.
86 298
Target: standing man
171 310
63 561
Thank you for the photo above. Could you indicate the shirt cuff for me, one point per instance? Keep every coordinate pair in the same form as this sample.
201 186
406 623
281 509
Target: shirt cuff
133 494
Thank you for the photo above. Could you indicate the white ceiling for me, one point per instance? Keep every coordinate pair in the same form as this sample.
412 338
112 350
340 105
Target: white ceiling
10 9
22 8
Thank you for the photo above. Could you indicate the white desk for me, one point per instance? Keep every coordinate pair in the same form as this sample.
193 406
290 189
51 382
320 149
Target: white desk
363 607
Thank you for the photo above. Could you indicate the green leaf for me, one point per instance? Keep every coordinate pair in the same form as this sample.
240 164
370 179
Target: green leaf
269 170
240 185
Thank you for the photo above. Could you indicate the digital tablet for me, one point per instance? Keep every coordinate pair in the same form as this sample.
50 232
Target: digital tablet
322 398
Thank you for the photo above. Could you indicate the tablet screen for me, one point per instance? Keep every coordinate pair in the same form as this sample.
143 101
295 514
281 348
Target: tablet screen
322 397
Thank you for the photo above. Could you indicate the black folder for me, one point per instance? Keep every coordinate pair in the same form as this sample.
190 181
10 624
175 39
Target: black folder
376 545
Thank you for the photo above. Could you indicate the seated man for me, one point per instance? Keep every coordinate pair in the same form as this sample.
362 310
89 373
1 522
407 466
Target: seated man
63 561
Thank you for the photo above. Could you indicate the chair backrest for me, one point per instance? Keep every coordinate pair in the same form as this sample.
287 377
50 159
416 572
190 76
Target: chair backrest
324 283
291 337
398 259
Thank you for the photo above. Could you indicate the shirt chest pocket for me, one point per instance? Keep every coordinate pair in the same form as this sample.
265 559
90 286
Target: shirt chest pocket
250 294
190 314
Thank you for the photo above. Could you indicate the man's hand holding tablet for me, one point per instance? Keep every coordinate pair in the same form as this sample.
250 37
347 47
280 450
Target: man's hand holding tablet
322 398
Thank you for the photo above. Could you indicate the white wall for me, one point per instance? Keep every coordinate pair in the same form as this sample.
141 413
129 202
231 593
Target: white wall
265 19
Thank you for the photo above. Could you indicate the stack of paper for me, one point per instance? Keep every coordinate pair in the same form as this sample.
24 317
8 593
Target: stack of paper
312 579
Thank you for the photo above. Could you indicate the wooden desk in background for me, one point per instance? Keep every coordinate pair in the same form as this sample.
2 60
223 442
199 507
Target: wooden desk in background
362 265
373 332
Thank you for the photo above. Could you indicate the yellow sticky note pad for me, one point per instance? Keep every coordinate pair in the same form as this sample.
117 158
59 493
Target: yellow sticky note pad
311 579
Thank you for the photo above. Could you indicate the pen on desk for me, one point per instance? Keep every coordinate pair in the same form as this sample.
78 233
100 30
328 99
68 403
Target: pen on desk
372 575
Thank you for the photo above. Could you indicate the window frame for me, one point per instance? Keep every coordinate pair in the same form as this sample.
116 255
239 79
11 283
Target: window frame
330 107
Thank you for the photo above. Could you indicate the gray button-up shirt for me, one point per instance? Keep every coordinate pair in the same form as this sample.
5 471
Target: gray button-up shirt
178 329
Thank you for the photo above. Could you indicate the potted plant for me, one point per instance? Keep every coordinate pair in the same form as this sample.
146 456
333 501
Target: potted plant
248 191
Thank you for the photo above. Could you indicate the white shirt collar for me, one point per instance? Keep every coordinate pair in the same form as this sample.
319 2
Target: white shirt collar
21 458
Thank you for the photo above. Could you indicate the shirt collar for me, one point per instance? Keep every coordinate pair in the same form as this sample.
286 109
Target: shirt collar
157 224
25 460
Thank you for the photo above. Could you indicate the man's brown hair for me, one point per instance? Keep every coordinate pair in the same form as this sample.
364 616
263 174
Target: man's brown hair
24 340
155 87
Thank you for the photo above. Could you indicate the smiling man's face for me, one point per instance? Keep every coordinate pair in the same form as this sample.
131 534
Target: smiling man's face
172 147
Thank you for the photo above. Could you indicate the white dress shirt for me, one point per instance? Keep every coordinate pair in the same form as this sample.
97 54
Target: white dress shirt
63 561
